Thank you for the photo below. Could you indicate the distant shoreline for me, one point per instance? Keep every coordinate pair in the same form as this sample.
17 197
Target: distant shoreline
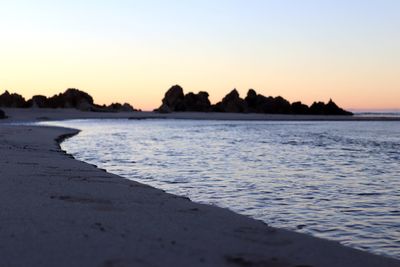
43 114
378 114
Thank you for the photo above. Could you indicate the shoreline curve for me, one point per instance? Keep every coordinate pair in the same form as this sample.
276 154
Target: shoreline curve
58 211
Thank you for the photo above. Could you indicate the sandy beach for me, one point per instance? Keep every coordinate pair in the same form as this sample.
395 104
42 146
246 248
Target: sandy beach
58 211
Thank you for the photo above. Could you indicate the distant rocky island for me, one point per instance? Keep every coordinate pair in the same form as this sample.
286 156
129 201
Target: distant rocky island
176 101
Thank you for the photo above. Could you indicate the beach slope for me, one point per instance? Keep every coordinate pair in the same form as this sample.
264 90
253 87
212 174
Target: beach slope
57 211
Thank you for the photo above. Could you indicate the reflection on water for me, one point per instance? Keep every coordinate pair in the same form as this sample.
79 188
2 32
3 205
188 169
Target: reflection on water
336 180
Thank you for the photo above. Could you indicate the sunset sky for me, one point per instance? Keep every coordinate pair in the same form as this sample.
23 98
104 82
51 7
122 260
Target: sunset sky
133 51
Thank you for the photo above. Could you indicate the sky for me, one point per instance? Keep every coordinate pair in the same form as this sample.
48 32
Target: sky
133 51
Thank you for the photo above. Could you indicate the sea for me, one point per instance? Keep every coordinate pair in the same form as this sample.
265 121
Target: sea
334 180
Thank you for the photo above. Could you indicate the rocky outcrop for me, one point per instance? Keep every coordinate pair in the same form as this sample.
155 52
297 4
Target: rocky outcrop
261 104
71 98
258 103
320 108
197 102
74 98
278 105
173 100
12 100
38 101
252 100
253 103
2 114
299 108
231 103
176 100
117 107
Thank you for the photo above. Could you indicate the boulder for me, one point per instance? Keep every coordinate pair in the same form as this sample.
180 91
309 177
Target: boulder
176 100
173 100
12 100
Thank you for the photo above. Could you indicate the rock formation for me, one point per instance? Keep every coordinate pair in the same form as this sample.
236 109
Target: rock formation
299 108
257 103
197 102
260 104
175 100
71 98
12 100
231 103
320 108
38 101
117 107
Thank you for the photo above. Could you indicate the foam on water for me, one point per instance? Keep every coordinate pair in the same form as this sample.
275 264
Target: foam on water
336 180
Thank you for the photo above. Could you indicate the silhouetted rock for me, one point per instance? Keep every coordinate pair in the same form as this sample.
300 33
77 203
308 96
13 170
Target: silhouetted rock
163 109
197 102
12 100
278 105
299 108
260 104
252 100
332 109
2 114
117 107
231 103
173 100
320 108
38 101
71 98
281 105
317 108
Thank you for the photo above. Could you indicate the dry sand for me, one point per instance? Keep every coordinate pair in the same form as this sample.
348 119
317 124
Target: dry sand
57 211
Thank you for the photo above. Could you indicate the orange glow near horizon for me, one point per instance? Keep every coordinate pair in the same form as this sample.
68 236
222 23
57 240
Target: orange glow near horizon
142 85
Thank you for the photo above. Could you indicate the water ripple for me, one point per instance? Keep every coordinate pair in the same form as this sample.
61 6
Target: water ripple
335 180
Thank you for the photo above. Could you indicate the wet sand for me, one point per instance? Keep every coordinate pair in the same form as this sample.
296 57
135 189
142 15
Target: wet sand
57 211
16 114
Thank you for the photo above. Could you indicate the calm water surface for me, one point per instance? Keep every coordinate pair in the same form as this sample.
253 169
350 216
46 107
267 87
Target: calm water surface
336 180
